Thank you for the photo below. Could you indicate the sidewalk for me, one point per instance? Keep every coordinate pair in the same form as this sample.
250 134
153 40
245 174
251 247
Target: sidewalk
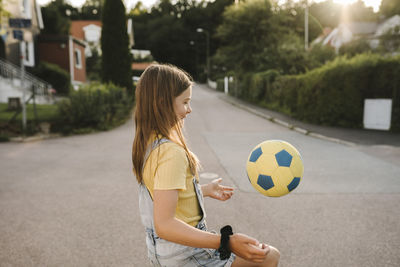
335 134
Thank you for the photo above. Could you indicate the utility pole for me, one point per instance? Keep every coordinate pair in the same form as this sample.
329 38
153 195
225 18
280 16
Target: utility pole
207 50
306 26
22 56
17 24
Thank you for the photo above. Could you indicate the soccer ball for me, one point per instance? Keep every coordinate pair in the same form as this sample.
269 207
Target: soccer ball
274 168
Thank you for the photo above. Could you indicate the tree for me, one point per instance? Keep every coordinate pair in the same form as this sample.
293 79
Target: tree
173 27
245 33
116 57
327 13
358 11
56 17
3 11
92 10
389 8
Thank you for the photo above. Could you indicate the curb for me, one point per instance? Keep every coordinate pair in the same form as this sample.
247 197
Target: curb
286 124
34 138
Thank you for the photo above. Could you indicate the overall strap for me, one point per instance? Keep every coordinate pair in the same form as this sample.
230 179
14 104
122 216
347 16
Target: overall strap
153 146
145 200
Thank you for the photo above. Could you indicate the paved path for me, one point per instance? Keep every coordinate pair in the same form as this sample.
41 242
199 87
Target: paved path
73 201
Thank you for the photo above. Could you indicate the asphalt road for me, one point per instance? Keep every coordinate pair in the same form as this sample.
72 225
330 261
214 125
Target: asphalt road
72 201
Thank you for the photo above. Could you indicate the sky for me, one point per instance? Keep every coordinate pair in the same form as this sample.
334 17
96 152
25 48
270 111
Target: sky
148 3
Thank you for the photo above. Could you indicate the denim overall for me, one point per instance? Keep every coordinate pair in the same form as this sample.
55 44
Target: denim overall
165 253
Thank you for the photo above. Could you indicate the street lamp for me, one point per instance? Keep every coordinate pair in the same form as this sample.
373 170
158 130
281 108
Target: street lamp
193 43
208 50
306 26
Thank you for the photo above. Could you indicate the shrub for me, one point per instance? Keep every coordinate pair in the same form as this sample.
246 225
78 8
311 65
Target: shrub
97 106
260 85
320 55
55 75
355 47
333 94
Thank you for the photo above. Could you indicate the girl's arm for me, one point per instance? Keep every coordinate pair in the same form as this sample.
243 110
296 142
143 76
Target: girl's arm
172 229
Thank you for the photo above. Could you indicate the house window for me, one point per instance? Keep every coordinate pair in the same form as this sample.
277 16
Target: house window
78 59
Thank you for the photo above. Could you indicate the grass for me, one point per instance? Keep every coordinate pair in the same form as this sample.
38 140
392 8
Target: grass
44 113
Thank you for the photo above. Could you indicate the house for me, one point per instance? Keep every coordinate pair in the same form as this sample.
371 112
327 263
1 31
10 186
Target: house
26 23
347 32
66 52
71 54
88 31
18 43
390 25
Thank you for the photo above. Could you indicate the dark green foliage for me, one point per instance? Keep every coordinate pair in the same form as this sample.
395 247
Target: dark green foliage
245 34
260 86
55 18
55 75
290 56
91 10
173 26
95 106
333 94
355 47
93 66
319 55
389 8
116 57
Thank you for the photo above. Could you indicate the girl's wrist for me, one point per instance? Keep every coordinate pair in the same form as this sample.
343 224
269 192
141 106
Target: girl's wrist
225 248
205 189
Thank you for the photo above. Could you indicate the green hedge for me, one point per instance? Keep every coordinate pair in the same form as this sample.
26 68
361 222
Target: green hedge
95 106
333 94
55 75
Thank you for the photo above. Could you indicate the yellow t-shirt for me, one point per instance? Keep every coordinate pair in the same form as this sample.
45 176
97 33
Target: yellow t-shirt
167 167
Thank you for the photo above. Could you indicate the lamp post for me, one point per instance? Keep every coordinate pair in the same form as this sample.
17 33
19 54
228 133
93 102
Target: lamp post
193 44
208 50
306 26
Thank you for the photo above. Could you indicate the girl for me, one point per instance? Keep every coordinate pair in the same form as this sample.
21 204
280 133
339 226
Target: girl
170 197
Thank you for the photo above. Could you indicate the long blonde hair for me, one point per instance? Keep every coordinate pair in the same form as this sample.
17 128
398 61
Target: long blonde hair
156 91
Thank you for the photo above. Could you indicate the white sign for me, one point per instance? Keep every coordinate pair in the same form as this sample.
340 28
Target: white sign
377 114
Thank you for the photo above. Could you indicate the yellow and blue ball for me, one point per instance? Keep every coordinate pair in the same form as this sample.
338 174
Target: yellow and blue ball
274 168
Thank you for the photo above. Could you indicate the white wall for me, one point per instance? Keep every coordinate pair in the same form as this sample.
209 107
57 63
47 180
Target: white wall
8 89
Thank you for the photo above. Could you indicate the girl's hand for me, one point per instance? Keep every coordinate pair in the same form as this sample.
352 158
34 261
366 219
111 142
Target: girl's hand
217 191
248 248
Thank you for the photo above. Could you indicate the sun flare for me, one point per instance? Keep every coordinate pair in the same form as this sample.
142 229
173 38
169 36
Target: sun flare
372 3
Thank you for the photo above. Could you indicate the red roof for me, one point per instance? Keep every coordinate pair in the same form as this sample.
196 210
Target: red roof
77 26
141 65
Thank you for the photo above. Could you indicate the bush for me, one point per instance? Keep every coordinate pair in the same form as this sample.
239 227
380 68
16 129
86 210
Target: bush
333 94
260 85
96 106
56 76
320 55
355 47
